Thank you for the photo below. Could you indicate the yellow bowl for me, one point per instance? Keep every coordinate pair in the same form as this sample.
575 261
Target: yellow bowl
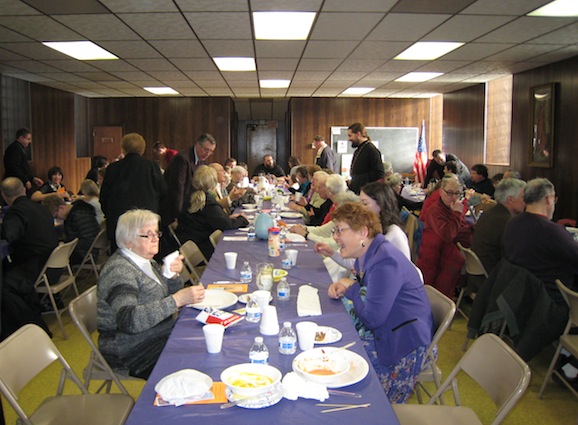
278 274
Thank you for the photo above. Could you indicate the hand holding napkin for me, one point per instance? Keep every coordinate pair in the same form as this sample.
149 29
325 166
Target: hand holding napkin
294 386
308 303
185 386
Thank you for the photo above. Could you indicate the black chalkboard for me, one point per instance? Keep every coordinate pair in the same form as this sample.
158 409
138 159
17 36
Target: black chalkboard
396 144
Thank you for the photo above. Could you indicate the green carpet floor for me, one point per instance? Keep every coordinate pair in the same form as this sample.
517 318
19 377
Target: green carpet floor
558 405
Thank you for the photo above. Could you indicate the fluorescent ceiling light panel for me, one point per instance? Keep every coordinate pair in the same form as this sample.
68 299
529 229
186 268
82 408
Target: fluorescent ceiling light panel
81 50
427 50
416 77
557 8
283 25
161 90
274 84
358 91
235 64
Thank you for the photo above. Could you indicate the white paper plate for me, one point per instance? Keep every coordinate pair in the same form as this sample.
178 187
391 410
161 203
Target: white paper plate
358 370
290 214
216 298
249 206
244 298
269 399
250 210
243 229
294 237
331 335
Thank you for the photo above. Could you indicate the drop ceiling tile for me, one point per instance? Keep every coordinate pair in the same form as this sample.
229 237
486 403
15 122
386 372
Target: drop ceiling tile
453 77
168 76
71 65
218 91
373 80
17 7
192 91
34 50
64 77
443 66
112 92
98 76
349 76
147 83
180 84
329 49
131 75
275 75
310 75
159 26
197 64
379 50
524 29
406 26
301 84
481 67
503 7
557 55
31 66
130 49
179 48
327 93
522 52
91 85
98 27
240 76
21 75
138 92
279 48
401 66
245 92
6 55
223 48
344 26
60 85
203 75
152 64
7 35
215 84
273 93
319 64
113 65
264 64
294 5
360 5
342 85
366 65
524 66
119 6
41 28
477 51
298 92
119 85
466 28
221 26
427 6
212 5
566 35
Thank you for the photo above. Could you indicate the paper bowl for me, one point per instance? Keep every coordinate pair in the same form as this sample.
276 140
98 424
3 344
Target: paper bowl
249 206
318 365
250 379
278 274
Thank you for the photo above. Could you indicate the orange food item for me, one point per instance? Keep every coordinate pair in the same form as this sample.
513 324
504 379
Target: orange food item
321 372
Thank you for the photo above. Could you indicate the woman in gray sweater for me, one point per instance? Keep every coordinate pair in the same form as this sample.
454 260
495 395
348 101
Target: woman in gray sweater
136 302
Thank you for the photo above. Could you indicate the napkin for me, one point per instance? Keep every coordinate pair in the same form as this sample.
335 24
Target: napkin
295 386
294 237
167 261
308 303
234 238
184 386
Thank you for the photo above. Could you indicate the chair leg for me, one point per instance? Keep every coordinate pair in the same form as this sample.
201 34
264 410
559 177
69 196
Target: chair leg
550 370
57 313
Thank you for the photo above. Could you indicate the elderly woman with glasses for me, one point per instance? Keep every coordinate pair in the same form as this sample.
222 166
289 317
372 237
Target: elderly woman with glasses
136 300
444 225
391 308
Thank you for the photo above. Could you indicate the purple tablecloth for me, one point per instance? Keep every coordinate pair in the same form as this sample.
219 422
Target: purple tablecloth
186 349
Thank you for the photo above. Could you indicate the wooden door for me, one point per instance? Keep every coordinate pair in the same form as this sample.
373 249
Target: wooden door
261 141
106 141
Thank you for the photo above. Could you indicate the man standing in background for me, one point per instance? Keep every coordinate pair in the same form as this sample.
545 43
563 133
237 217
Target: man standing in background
366 165
16 160
325 157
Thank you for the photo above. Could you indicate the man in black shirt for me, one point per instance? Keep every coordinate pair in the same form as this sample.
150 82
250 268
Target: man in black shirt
16 160
269 166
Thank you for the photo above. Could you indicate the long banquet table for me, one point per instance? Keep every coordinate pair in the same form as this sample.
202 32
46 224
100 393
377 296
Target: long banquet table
186 349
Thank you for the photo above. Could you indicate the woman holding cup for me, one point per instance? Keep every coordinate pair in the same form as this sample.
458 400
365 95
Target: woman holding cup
390 303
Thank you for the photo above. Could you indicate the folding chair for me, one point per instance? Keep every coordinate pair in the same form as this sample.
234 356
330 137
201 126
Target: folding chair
494 366
474 267
215 237
26 353
443 310
193 260
101 245
59 259
83 313
567 341
172 230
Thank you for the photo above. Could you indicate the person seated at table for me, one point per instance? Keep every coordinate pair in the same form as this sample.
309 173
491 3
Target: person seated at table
90 193
451 167
444 224
225 198
434 196
463 170
293 162
204 215
435 167
52 186
479 180
269 166
302 177
311 197
394 181
136 301
334 185
98 162
79 222
308 208
238 173
390 305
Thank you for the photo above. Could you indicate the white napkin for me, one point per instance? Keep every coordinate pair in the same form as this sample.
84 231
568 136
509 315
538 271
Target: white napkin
234 238
295 386
308 303
294 237
167 261
184 386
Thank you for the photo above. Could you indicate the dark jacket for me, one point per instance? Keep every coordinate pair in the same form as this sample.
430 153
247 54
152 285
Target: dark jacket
16 162
328 160
488 240
276 170
199 225
366 166
484 187
81 223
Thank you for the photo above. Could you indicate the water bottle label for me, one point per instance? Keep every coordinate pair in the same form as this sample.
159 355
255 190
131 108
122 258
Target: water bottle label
250 236
259 357
286 263
246 275
282 293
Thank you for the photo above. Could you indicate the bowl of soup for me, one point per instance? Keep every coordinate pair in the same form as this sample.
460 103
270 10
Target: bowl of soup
250 379
320 365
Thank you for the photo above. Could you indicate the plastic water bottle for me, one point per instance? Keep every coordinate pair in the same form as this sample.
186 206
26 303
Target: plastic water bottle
252 310
283 290
246 272
282 238
287 339
259 352
251 233
286 262
406 182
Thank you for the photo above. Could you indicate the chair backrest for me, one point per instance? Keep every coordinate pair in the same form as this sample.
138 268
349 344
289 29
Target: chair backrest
25 354
60 256
571 298
215 237
502 374
443 311
83 311
101 242
473 264
193 255
173 231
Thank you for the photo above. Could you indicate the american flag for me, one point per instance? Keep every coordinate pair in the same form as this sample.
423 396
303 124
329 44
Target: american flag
420 161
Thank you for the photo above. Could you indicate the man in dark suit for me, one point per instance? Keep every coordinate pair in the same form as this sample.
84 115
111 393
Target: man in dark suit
366 165
29 229
16 160
179 176
132 182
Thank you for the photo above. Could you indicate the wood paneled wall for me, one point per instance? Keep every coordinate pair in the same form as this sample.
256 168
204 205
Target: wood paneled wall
312 116
177 122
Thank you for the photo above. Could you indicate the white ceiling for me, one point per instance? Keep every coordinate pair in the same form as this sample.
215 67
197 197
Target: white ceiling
352 43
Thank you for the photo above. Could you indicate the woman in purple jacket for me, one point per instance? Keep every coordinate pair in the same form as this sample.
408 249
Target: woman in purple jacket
389 300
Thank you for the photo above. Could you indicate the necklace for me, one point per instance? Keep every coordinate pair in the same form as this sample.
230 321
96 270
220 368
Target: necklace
356 154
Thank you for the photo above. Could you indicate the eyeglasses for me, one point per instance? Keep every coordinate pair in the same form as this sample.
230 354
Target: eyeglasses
207 150
151 235
450 193
337 231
